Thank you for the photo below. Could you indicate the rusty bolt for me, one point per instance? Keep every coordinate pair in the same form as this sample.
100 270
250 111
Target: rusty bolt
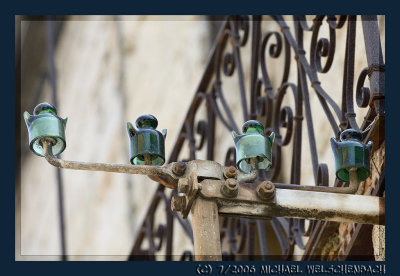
230 172
50 140
183 185
179 168
230 188
266 190
178 203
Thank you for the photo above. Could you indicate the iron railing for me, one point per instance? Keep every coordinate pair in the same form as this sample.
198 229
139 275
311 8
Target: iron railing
275 239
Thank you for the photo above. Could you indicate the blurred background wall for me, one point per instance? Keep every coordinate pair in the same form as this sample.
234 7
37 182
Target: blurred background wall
110 70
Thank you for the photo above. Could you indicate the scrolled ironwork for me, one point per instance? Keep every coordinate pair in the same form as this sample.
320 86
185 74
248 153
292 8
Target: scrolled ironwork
363 94
202 131
269 106
336 23
284 116
274 52
303 22
229 64
237 24
322 47
323 175
261 103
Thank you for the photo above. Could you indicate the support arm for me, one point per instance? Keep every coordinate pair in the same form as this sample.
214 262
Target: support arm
296 204
162 174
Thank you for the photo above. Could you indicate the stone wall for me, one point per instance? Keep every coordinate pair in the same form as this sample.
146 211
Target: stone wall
110 70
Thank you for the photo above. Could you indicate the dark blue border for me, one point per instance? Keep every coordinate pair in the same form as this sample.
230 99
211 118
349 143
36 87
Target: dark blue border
167 7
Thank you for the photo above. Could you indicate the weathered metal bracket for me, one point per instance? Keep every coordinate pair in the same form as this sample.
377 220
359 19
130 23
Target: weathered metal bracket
168 178
197 171
205 178
189 188
168 174
188 184
296 204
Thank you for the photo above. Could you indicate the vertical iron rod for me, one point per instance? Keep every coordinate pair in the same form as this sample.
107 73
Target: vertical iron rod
52 80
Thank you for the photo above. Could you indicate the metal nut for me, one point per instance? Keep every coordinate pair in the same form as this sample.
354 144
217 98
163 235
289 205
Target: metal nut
179 168
178 203
230 188
266 190
183 185
230 172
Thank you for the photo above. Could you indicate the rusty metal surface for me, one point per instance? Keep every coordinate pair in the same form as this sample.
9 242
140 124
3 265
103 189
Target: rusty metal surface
263 100
191 193
161 171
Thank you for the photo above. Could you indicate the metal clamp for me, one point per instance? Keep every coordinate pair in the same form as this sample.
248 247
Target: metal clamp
256 202
188 187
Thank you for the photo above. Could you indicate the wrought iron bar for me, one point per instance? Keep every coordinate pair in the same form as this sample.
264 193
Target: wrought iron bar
52 78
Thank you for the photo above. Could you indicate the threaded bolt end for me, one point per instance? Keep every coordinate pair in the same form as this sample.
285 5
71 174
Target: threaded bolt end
179 168
230 188
266 190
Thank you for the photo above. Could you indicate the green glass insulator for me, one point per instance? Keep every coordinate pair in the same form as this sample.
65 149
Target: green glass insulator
147 145
349 153
44 123
253 148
